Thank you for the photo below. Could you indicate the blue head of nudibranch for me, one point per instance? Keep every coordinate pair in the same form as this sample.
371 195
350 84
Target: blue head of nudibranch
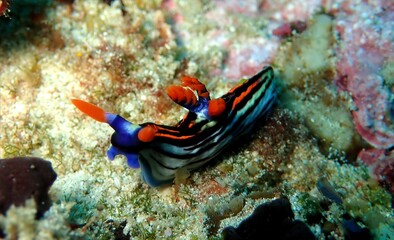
124 137
210 126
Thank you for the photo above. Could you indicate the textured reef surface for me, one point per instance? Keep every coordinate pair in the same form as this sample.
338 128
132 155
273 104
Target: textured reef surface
323 159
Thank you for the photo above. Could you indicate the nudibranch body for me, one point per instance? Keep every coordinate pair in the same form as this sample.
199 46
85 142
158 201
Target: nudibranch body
210 126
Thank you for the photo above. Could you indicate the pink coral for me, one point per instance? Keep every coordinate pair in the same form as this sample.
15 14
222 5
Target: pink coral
366 32
381 165
365 48
287 29
245 54
290 10
249 58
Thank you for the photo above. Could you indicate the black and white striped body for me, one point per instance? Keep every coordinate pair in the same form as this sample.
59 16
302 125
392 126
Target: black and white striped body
196 140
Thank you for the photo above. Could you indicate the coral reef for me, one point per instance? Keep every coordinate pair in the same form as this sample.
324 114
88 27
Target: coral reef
289 29
381 166
120 55
363 58
365 47
306 64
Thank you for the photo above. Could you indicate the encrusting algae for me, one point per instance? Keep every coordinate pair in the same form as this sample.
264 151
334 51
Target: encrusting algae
121 55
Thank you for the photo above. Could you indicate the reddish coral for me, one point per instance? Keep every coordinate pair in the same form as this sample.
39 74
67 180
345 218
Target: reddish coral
211 187
365 48
283 31
287 29
4 4
381 165
385 172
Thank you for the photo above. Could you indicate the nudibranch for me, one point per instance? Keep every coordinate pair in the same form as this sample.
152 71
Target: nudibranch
210 126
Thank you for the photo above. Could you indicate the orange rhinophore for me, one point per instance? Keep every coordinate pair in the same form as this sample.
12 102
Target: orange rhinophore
216 107
182 95
147 134
194 84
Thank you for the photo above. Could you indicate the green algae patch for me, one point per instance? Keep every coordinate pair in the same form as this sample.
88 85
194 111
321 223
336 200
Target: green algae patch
306 72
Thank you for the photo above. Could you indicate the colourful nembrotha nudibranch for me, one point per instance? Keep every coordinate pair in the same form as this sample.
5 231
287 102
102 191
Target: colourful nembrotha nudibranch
210 126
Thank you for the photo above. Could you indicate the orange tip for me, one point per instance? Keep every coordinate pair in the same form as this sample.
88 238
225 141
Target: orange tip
196 85
147 134
216 107
181 95
173 92
89 109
